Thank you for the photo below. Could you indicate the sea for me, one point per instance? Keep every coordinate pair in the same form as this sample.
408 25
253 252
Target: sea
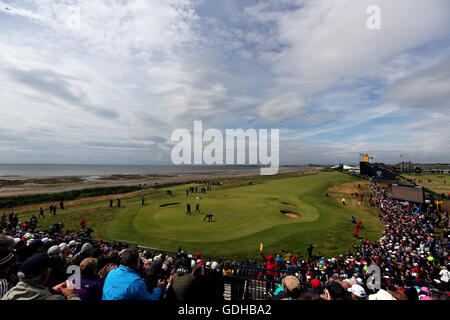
60 170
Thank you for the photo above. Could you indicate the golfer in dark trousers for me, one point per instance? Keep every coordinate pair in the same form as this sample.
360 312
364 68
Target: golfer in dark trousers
188 208
209 217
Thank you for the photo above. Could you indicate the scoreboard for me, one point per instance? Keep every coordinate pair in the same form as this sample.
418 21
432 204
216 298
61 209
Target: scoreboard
407 193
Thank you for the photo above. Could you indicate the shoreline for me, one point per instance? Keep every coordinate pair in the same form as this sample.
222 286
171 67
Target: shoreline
13 186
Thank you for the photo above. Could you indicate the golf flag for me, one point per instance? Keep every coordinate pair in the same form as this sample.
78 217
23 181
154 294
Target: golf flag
261 246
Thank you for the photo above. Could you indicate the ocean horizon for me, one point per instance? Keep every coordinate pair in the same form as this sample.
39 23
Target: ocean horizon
54 170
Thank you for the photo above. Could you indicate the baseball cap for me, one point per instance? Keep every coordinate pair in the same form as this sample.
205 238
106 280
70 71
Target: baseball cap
72 243
315 283
35 265
86 247
54 250
5 256
358 291
36 243
425 289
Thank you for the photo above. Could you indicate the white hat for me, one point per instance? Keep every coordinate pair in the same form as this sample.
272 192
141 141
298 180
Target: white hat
72 243
214 265
358 291
63 244
45 240
54 250
208 264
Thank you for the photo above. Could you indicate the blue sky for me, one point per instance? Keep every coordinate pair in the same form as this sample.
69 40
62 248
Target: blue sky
108 81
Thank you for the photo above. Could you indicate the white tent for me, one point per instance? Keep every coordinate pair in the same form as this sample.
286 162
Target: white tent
345 167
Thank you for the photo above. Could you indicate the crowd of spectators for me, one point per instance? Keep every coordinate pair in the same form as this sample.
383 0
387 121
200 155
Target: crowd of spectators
412 264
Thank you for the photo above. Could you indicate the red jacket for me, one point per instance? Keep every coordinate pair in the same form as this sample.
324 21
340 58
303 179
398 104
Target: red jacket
294 260
270 265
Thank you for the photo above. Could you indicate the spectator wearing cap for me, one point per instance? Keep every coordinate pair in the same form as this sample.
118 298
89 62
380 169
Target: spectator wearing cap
86 252
424 294
183 280
316 286
215 282
58 274
36 246
34 274
357 292
124 283
54 250
6 262
7 242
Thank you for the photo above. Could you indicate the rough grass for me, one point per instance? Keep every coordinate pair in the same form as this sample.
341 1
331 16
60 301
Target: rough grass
244 215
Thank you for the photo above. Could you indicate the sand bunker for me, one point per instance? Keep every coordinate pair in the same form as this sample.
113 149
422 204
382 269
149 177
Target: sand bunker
289 214
170 204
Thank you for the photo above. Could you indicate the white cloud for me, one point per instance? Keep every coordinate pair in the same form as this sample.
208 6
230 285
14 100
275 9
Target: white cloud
427 89
281 107
135 70
327 42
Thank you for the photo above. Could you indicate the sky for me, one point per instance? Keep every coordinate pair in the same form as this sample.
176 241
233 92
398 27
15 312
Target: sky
107 82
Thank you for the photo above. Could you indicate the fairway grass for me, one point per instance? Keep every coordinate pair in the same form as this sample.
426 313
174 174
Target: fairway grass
244 215
437 181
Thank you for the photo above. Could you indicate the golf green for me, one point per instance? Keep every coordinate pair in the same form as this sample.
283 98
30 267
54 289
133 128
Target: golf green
243 215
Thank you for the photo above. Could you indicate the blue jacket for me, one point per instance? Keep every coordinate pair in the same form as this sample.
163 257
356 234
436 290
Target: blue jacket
124 283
